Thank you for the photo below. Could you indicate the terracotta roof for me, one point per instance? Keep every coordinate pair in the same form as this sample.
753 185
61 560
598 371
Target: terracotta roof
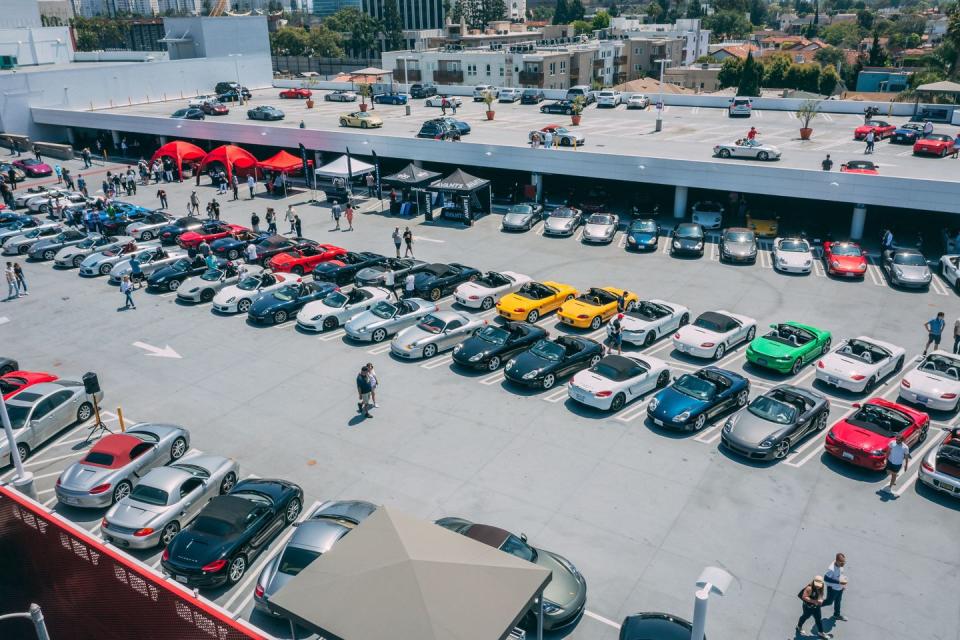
738 50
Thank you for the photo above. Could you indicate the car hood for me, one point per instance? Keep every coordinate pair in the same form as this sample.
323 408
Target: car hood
794 257
81 477
598 229
740 248
96 259
590 381
318 308
565 589
369 273
691 334
913 272
687 243
413 334
643 236
46 243
365 319
134 514
473 346
671 402
860 438
528 361
559 223
849 262
517 219
772 348
265 305
18 240
751 429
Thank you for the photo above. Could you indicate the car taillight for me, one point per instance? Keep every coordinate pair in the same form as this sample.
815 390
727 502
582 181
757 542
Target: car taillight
259 591
603 394
214 566
948 396
139 533
926 466
905 383
582 316
473 297
820 364
100 488
103 523
58 482
677 336
706 345
518 310
858 377
166 554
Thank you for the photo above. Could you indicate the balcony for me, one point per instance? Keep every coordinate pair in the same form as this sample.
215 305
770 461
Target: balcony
448 76
409 75
598 64
531 78
619 61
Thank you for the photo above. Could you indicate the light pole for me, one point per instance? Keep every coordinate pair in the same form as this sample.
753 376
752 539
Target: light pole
662 61
711 580
36 616
23 480
236 65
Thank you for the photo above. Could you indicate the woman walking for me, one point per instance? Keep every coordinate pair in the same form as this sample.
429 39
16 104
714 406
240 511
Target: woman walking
349 215
813 597
126 288
21 281
289 217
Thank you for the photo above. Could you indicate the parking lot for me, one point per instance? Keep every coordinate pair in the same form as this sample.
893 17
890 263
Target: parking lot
640 511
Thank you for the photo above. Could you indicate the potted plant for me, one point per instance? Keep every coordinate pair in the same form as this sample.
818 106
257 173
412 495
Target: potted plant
364 91
806 112
310 84
578 104
488 100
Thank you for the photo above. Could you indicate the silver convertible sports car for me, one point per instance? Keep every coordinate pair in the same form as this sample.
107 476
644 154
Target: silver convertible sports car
74 255
439 331
752 149
116 463
387 318
166 499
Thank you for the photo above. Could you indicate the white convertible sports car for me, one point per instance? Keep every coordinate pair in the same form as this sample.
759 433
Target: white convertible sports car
339 307
792 255
483 292
934 383
859 363
708 215
45 204
74 256
148 263
950 270
713 333
650 320
437 101
616 380
204 288
747 149
237 298
102 263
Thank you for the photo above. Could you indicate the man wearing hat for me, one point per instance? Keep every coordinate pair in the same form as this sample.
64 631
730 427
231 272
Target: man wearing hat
616 333
836 583
813 596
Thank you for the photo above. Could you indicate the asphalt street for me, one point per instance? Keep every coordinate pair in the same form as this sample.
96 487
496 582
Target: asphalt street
638 510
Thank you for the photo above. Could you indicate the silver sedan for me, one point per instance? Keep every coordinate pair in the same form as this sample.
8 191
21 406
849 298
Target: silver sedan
43 410
116 463
386 318
439 331
601 227
166 499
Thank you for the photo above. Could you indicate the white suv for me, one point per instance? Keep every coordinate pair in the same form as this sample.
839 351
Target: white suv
481 89
739 107
509 94
609 98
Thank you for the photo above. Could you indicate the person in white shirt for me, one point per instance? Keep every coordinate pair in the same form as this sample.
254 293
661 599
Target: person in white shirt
408 285
374 382
836 582
927 128
898 459
389 282
251 252
547 140
251 184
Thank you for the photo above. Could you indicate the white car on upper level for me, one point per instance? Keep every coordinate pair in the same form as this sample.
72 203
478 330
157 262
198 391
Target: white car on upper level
481 89
708 214
510 94
740 107
609 98
638 101
713 333
744 148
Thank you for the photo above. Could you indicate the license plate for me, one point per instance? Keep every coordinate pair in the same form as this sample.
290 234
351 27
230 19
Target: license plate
761 361
922 400
67 500
182 579
848 455
577 394
659 423
850 274
834 381
680 347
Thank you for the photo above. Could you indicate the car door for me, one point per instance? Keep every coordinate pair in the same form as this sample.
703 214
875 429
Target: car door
143 457
49 416
641 381
810 349
195 493
451 335
724 399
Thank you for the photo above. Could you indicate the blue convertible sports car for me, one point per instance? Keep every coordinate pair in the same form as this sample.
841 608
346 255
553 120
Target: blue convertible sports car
391 98
695 398
907 133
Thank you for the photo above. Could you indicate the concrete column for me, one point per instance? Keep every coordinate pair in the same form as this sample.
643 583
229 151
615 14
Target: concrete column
680 202
162 140
71 136
116 139
418 163
537 180
857 222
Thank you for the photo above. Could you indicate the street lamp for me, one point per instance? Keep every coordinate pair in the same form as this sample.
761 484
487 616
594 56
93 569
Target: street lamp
711 580
662 61
236 65
23 480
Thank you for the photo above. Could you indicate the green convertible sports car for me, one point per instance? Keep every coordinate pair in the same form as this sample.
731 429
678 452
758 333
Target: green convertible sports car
788 346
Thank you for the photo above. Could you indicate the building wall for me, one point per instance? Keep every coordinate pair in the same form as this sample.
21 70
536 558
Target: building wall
19 14
34 46
879 81
642 52
696 78
216 37
61 10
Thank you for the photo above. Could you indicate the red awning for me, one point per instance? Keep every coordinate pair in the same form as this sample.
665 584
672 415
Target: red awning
283 162
230 156
180 151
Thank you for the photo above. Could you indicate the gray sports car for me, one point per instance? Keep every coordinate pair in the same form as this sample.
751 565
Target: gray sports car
43 410
149 263
20 244
102 263
73 256
116 463
771 424
562 222
521 217
906 268
387 318
373 276
166 499
47 248
313 537
439 331
601 227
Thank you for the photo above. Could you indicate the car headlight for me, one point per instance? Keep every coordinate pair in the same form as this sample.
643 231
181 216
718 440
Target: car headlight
363 329
835 264
767 443
862 267
631 240
315 318
676 244
531 375
682 417
478 357
728 425
511 362
231 299
807 263
898 272
458 349
194 290
878 452
699 245
551 608
653 404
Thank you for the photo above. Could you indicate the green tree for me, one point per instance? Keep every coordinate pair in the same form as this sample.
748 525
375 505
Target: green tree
614 10
758 12
581 26
728 24
865 19
828 80
953 39
359 30
601 20
325 43
877 56
730 72
561 13
490 10
654 10
576 11
750 77
829 56
740 6
844 34
289 41
775 70
392 26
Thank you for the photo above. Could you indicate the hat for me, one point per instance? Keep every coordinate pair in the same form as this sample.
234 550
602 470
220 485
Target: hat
619 316
818 581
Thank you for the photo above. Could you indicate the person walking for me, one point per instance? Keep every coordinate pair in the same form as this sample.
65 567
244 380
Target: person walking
203 248
271 221
335 212
898 459
136 273
827 163
870 140
934 331
215 205
194 203
927 128
443 109
349 215
836 582
85 155
255 222
235 184
364 389
14 147
67 178
162 195
106 158
297 225
397 239
36 153
21 281
409 284
956 336
812 596
289 217
374 383
886 242
251 253
371 183
126 288
616 333
251 185
408 240
13 290
123 147
57 169
390 283
547 140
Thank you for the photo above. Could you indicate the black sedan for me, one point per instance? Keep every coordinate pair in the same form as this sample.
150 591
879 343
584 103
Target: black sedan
687 239
47 248
643 235
190 113
284 303
169 233
233 247
170 277
531 96
437 280
547 360
560 106
488 348
226 537
344 269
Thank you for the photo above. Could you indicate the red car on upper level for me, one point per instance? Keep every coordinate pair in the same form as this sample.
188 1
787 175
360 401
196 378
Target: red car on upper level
304 259
880 130
844 259
16 381
863 437
296 93
936 144
33 168
860 166
210 230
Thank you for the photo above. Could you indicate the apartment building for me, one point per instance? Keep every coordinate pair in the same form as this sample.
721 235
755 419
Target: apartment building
643 54
695 39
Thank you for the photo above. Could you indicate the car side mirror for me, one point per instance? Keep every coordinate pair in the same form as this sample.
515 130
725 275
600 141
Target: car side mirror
863 253
856 405
773 326
523 537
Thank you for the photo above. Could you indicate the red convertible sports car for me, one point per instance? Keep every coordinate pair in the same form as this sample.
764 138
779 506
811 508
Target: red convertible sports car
210 231
880 129
215 108
296 93
860 166
17 381
34 168
935 143
303 260
844 259
863 437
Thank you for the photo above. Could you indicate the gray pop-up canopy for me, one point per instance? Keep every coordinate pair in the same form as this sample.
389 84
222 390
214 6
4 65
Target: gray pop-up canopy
395 576
459 182
339 169
410 176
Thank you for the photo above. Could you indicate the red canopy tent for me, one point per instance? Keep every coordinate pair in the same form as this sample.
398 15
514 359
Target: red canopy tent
230 156
180 151
283 162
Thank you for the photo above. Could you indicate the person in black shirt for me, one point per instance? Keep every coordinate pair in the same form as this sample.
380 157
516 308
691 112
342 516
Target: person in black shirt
827 163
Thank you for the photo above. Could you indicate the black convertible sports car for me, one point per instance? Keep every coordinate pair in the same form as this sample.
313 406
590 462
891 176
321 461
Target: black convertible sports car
170 233
226 537
344 269
172 276
8 365
437 280
560 106
286 302
548 360
232 247
488 348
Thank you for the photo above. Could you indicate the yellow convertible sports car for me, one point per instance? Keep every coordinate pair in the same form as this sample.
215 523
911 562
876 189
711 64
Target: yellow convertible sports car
594 307
534 299
360 119
766 225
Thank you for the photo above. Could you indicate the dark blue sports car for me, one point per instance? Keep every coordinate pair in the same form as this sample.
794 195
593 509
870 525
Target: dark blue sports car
907 133
643 235
391 98
344 269
284 303
437 280
462 127
169 233
170 277
232 247
696 398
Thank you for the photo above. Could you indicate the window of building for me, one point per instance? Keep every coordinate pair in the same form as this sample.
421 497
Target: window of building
488 69
553 68
563 66
471 69
501 71
638 67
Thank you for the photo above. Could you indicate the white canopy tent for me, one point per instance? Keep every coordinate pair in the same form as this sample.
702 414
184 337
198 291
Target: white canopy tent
338 168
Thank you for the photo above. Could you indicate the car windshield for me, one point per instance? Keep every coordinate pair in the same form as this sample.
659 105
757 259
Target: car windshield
530 92
18 415
773 410
643 226
149 495
600 218
739 236
335 299
795 246
286 294
563 212
33 233
384 310
212 526
212 275
517 547
939 137
880 420
520 208
694 387
295 559
431 324
87 244
249 283
179 113
181 265
548 350
910 259
942 366
494 335
844 249
690 231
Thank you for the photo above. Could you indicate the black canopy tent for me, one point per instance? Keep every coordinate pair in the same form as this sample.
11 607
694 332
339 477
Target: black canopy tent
411 181
466 191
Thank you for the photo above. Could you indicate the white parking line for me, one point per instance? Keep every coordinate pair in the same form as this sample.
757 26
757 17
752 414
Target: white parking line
827 117
333 335
383 348
712 434
579 235
918 456
808 450
439 362
632 413
666 246
818 269
714 252
733 357
556 396
598 617
493 378
167 295
538 229
623 241
33 462
876 276
765 260
938 287
50 502
289 324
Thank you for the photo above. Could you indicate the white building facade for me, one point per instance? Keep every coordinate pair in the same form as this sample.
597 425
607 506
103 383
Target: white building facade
697 40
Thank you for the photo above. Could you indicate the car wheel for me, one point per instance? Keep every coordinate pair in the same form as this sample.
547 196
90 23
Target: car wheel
169 532
379 335
146 235
871 383
280 317
298 270
23 249
121 491
595 323
330 323
663 379
821 421
533 316
238 567
292 511
618 401
782 449
48 255
178 448
564 142
549 380
724 153
493 363
700 422
923 435
899 365
243 305
650 339
84 412
363 125
233 254
78 261
23 450
430 350
487 304
751 333
173 285
105 269
742 398
684 319
207 295
763 155
568 112
228 482
797 365
719 352
435 294
826 347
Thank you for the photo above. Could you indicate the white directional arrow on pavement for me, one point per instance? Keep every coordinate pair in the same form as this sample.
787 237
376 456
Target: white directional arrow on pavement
157 352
